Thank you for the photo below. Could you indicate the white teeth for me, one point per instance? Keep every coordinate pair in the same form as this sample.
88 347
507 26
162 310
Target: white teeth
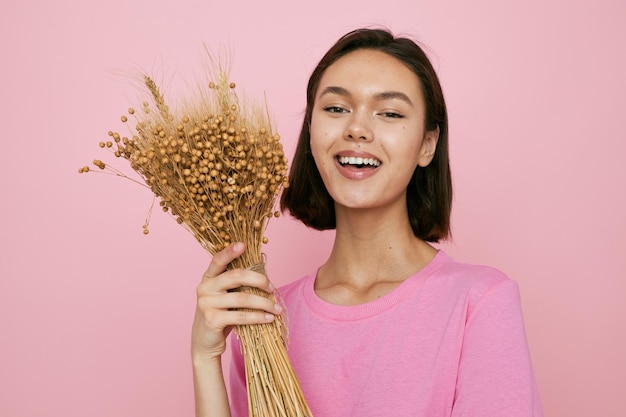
357 160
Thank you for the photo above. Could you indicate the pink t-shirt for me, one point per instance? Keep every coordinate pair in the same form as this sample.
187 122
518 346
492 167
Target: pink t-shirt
448 341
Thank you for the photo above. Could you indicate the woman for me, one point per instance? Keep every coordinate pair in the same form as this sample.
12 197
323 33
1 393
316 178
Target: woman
388 325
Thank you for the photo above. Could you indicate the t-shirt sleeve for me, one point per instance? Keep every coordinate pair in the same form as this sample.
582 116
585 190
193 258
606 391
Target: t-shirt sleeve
495 372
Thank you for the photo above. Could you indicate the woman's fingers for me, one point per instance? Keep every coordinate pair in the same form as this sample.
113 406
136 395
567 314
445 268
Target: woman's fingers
238 300
220 307
222 258
231 280
227 319
215 279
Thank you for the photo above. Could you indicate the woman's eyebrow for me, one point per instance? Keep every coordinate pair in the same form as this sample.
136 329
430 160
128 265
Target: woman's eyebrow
335 90
393 95
384 95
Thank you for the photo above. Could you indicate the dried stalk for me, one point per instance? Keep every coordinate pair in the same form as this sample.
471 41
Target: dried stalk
218 171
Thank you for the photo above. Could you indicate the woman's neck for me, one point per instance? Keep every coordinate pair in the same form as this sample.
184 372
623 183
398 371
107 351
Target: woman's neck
372 254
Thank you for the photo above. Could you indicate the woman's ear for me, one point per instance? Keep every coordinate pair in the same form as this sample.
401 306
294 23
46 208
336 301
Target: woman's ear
429 146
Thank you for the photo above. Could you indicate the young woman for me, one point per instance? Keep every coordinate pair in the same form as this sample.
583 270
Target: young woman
388 325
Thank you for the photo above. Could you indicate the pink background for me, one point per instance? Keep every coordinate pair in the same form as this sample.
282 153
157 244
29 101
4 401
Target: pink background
95 317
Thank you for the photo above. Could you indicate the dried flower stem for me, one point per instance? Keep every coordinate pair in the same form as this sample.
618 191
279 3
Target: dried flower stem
218 171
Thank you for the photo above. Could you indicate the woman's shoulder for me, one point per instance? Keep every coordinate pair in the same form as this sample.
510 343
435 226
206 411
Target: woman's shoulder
470 272
295 286
473 280
452 287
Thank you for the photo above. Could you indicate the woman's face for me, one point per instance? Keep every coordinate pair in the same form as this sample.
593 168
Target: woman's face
367 130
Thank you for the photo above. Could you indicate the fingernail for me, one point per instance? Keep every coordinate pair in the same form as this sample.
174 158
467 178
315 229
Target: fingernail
271 287
278 308
269 317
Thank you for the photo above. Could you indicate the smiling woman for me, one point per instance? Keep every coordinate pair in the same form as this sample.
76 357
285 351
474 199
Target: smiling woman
429 192
370 107
388 324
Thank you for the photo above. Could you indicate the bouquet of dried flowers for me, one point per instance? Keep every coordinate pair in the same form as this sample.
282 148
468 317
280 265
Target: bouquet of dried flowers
218 168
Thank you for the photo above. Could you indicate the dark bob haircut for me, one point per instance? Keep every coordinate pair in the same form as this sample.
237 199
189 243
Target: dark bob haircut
429 193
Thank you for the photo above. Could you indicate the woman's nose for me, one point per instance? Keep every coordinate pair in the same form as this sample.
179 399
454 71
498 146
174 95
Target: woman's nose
358 129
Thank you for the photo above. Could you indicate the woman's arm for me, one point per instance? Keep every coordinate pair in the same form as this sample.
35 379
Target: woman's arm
209 390
217 311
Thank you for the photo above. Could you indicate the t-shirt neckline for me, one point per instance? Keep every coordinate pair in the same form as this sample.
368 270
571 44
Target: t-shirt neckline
404 290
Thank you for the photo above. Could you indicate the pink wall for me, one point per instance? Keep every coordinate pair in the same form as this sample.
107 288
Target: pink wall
95 317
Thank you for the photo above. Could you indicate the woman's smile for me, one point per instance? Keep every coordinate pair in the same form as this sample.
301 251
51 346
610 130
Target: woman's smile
357 165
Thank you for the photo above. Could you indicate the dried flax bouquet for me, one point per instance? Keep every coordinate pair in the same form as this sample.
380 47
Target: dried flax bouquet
218 169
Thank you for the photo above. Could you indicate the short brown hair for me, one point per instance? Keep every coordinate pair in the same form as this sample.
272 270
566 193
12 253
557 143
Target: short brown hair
429 193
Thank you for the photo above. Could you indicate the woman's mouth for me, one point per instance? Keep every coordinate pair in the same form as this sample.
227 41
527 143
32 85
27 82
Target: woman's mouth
358 162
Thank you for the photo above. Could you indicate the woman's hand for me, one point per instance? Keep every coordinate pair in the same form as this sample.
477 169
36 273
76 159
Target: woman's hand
216 306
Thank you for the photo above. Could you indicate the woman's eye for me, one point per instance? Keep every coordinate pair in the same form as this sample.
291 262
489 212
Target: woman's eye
392 115
334 109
